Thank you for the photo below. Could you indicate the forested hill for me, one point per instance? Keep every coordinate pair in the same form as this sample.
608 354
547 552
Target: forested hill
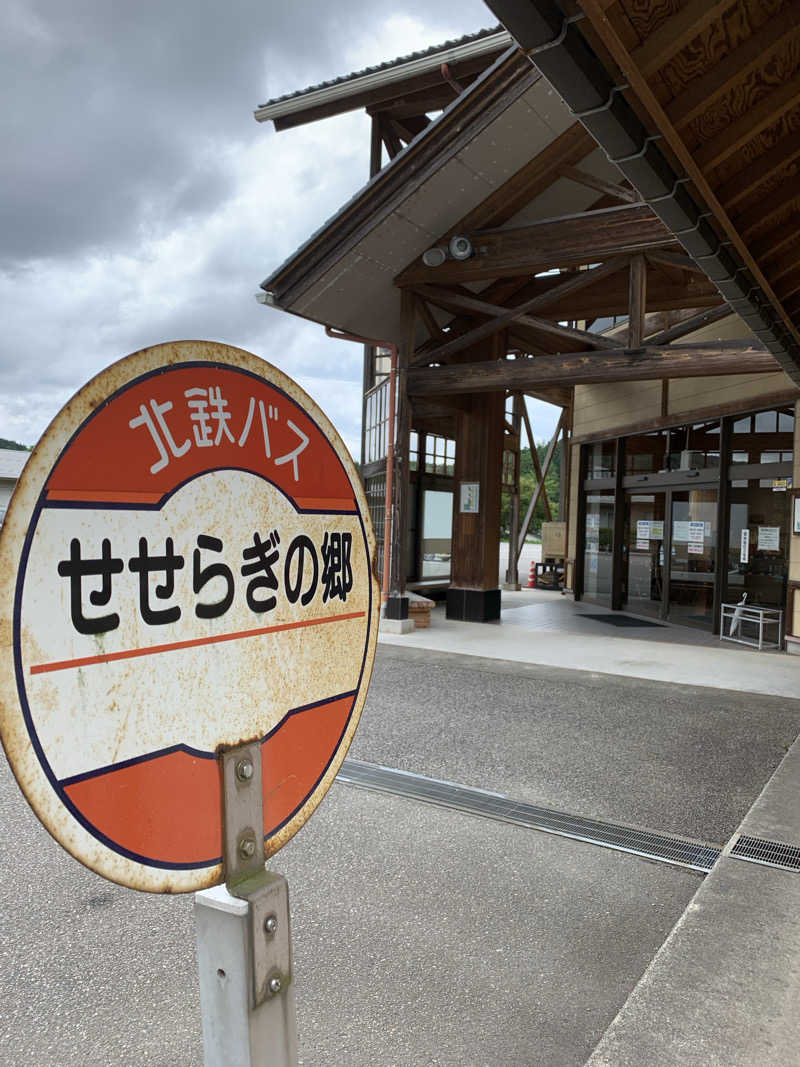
15 446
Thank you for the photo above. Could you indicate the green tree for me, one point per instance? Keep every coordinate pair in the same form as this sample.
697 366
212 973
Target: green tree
15 446
527 486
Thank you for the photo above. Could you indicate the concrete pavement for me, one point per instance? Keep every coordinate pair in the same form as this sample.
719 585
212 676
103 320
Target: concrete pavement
551 630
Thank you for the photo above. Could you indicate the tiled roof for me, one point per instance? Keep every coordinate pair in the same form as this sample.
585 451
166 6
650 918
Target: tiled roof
466 39
12 462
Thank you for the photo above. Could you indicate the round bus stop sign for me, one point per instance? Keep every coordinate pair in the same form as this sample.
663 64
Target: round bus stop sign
185 566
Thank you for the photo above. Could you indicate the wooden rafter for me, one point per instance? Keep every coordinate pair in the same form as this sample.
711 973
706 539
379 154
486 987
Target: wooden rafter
733 68
574 240
768 110
777 202
612 189
761 170
435 331
692 165
592 368
676 33
777 239
789 287
784 264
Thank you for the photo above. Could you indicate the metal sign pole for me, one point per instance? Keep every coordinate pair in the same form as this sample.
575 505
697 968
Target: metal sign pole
243 937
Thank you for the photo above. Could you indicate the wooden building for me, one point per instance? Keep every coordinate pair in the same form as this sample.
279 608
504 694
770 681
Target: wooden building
596 207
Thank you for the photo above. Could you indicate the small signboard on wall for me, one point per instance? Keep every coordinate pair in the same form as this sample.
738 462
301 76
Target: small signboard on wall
554 540
470 498
769 538
744 546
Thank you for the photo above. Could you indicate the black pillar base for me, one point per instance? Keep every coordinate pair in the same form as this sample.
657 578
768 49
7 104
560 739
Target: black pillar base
396 607
473 605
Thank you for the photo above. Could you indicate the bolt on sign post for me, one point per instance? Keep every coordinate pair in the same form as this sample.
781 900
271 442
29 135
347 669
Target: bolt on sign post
190 618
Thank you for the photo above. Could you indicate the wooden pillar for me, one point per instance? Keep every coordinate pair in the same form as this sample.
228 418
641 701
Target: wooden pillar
474 593
637 301
512 571
397 602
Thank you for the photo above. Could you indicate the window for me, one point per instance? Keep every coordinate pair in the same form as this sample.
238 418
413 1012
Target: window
440 455
601 461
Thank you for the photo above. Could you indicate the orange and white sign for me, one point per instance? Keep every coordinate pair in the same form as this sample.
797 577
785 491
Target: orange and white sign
186 565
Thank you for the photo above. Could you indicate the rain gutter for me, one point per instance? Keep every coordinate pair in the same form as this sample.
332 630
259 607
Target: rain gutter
553 42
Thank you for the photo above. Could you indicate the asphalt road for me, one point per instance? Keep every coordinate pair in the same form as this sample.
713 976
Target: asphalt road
682 759
422 936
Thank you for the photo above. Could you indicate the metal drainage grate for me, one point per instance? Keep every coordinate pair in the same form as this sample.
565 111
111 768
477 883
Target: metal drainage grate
626 621
679 851
770 853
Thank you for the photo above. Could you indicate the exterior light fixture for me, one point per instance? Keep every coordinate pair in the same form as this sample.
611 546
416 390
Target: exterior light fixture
434 257
460 247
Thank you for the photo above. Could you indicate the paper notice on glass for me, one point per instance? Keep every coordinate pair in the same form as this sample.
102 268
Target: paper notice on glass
680 531
643 530
657 531
769 538
695 548
642 544
697 531
744 546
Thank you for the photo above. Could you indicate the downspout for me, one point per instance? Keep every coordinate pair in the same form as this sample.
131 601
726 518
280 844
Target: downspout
341 335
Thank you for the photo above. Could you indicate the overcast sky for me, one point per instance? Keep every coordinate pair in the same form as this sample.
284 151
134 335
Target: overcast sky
140 201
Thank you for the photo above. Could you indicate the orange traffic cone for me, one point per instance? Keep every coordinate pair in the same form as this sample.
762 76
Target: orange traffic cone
532 576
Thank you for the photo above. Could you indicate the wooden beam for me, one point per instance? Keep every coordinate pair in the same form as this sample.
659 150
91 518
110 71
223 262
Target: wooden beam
618 192
540 488
503 317
764 167
696 322
375 147
674 34
390 138
574 240
637 301
702 91
755 119
431 325
592 368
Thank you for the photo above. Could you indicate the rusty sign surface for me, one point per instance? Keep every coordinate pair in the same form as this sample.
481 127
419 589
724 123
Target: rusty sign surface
186 565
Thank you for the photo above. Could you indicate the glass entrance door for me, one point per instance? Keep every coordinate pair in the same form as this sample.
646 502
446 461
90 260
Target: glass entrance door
643 552
693 557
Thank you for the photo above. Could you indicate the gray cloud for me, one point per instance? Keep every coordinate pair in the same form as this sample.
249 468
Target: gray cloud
140 201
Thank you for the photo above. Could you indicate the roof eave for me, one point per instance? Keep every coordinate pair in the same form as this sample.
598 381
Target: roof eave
379 78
